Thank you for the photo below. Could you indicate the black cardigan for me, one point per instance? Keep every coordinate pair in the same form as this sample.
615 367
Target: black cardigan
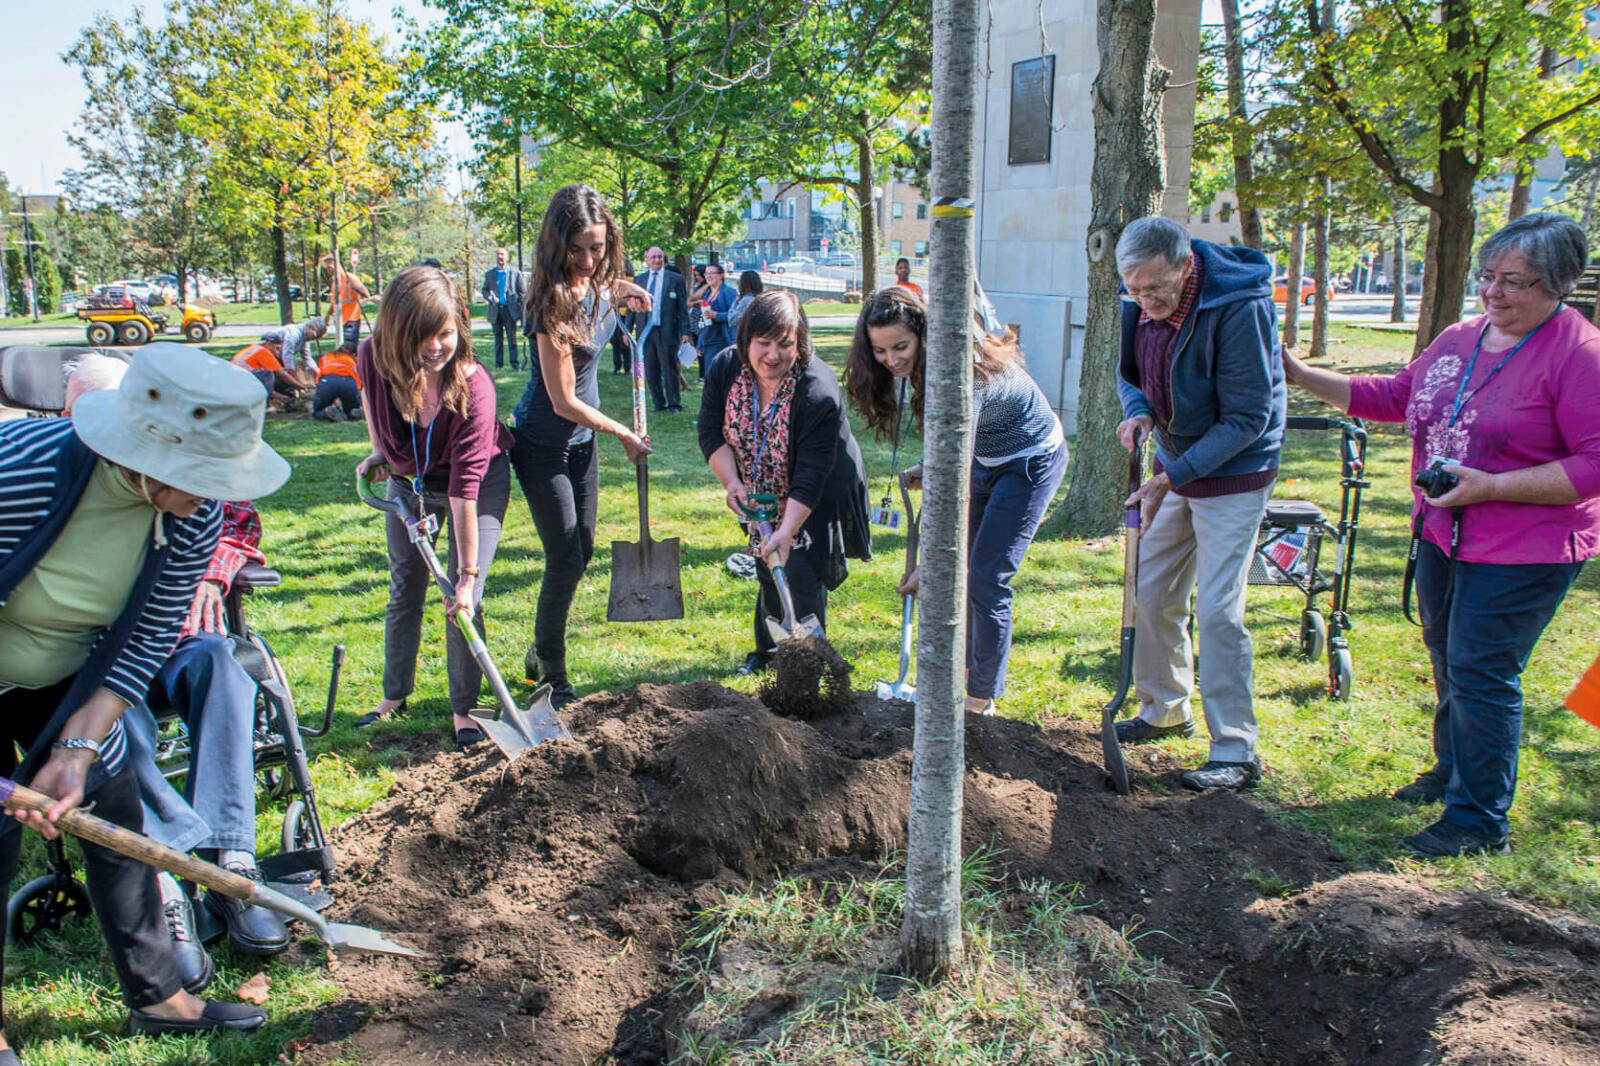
825 468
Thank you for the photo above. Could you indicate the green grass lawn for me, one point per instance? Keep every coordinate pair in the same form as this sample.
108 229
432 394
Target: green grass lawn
1330 765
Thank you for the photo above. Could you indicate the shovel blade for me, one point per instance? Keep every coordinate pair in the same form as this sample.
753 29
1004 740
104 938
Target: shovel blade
505 736
539 722
646 584
363 938
897 690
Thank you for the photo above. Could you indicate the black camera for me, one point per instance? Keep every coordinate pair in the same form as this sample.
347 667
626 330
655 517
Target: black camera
1437 479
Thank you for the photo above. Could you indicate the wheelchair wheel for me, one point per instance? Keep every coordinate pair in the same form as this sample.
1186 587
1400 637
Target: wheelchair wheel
44 905
296 830
1313 634
275 782
1341 674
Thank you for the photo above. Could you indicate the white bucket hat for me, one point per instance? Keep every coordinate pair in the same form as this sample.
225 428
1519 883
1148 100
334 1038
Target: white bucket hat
188 419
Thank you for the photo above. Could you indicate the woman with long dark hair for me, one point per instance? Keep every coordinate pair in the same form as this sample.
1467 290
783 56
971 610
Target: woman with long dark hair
571 315
431 417
1019 457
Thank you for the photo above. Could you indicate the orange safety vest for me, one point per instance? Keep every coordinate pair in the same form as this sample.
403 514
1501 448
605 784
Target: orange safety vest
345 295
338 365
258 357
1585 698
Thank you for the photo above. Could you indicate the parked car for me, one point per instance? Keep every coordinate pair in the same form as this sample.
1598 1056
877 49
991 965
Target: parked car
69 301
1280 290
796 264
838 259
267 292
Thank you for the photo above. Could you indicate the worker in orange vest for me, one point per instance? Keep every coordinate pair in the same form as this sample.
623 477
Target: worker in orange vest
347 293
338 395
262 361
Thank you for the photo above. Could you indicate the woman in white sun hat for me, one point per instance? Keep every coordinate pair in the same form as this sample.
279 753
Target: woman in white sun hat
107 521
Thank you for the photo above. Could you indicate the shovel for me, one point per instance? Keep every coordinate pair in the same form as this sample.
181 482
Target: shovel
762 509
82 824
900 689
1131 520
645 583
515 731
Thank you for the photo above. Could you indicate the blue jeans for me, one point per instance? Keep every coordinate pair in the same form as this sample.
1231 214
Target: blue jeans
1480 630
335 389
203 682
1008 503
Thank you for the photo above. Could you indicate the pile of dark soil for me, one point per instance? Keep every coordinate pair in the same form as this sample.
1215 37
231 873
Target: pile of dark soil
809 680
552 892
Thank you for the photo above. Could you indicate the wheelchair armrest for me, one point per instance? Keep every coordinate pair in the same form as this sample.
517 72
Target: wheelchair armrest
255 576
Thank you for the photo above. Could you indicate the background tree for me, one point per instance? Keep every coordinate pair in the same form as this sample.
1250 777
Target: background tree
1125 184
1239 133
930 933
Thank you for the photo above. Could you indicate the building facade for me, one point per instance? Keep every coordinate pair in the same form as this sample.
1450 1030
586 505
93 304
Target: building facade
1035 162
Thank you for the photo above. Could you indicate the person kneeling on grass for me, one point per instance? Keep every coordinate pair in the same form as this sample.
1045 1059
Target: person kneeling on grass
262 361
107 520
202 681
772 422
1504 416
338 395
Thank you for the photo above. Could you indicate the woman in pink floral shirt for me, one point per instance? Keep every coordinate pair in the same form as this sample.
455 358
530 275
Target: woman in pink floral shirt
1507 405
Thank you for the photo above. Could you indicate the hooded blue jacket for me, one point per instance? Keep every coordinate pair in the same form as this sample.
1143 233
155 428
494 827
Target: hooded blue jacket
1229 402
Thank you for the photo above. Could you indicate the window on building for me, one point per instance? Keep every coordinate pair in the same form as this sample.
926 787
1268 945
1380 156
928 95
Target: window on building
1205 213
919 249
1224 211
894 248
788 208
898 211
922 211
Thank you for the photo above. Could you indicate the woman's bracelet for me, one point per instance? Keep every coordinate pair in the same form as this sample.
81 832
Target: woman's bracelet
468 571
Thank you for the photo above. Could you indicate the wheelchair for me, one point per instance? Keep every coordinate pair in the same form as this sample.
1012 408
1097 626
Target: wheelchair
1289 553
33 378
306 862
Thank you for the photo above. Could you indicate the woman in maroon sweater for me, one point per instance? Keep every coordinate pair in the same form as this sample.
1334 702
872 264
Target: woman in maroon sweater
431 417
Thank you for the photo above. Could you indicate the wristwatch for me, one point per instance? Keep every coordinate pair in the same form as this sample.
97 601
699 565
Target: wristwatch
83 743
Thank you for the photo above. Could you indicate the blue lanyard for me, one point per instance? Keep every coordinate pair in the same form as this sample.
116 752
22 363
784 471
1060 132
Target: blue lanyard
758 443
427 455
1462 396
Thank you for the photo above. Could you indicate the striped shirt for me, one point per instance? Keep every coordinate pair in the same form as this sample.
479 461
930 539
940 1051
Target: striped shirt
29 449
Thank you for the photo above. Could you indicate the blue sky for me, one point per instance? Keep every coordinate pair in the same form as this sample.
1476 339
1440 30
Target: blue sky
44 95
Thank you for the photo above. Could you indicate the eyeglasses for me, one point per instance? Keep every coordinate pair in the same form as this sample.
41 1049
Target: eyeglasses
1509 284
1165 289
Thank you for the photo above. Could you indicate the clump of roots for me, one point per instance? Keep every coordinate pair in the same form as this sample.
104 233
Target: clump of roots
809 680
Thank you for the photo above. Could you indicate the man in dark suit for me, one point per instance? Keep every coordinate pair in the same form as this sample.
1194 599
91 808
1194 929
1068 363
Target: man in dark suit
503 289
661 329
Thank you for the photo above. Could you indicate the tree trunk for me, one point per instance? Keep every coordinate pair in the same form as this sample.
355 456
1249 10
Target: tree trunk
280 272
1397 305
1125 185
1319 273
866 178
1521 188
1451 263
377 263
930 936
1243 161
1588 205
1430 277
1291 297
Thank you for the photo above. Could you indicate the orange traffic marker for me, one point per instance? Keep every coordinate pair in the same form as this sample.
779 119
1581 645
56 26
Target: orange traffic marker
1584 700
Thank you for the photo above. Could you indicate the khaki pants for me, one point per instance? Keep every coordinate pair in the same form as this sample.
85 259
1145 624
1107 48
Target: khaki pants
1203 546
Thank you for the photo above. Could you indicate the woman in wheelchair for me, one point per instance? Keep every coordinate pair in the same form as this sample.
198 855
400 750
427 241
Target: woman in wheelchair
107 522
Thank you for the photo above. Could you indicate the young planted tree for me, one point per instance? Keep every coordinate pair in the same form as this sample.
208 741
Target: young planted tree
930 935
1125 184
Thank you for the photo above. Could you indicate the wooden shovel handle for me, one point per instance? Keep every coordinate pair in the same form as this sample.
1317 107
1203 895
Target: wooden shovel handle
82 824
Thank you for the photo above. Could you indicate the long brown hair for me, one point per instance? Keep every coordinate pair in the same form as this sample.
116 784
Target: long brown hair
869 384
573 209
418 303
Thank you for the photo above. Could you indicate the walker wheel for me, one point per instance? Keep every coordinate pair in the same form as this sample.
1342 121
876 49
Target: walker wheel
296 829
43 905
1341 674
1313 634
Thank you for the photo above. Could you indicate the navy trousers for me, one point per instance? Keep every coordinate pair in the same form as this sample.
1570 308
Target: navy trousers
1480 629
1007 504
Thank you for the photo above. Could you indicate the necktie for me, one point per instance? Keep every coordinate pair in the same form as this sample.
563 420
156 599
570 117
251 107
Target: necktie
655 298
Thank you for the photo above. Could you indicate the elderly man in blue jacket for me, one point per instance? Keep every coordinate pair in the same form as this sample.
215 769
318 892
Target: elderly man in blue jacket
1201 371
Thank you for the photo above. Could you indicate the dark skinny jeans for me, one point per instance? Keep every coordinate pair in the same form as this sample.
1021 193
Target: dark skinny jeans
561 484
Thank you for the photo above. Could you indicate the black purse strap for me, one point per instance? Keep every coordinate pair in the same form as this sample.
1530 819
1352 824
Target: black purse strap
1410 579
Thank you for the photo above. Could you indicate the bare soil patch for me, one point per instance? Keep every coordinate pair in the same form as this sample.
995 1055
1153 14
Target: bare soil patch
551 892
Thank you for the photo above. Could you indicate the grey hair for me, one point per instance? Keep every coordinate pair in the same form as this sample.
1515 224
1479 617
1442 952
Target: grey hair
1146 238
1554 247
93 373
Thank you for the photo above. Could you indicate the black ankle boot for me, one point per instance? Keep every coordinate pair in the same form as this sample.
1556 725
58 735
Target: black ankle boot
553 672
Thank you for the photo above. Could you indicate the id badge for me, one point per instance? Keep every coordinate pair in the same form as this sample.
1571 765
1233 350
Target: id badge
886 517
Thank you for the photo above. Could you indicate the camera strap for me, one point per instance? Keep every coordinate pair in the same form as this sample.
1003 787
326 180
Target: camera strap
1410 579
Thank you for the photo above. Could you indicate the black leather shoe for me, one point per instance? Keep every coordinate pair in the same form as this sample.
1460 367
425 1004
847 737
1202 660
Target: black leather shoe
468 738
372 718
239 1017
754 663
1443 840
1427 788
1139 731
195 968
561 692
251 929
1229 775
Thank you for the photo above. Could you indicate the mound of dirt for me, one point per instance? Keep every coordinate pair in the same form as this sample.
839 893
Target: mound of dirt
809 680
551 893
